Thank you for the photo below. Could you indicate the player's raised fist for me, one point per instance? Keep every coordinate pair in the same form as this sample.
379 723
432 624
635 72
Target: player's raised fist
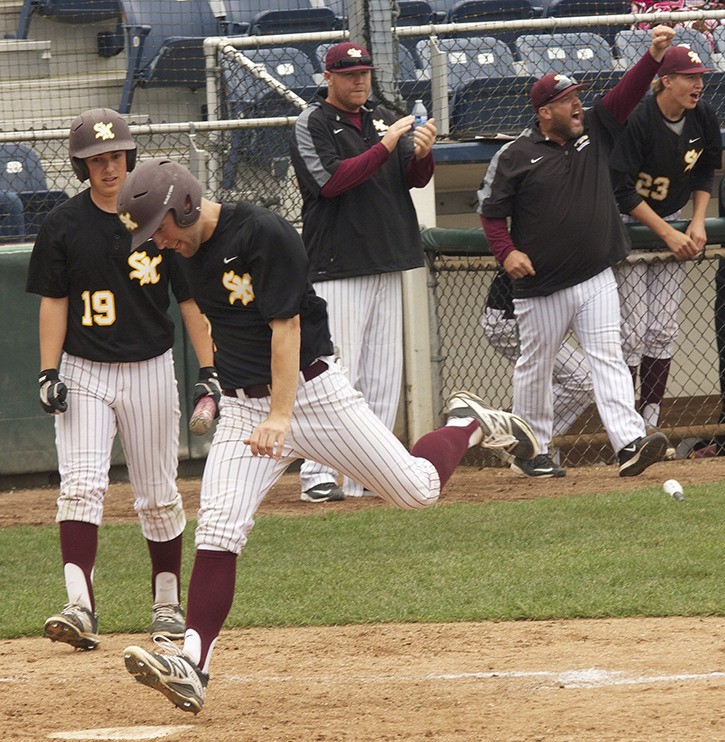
52 392
662 37
207 385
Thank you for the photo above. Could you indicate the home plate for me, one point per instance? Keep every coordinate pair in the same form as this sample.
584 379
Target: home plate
130 733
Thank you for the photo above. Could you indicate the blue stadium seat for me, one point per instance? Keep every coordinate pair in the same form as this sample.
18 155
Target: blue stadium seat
22 179
164 40
278 16
486 95
585 56
66 11
569 8
247 97
632 45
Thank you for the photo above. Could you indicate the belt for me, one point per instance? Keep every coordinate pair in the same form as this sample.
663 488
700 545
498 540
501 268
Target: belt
258 391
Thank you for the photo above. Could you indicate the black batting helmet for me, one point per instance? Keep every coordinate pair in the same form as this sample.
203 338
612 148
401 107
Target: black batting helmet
95 132
151 191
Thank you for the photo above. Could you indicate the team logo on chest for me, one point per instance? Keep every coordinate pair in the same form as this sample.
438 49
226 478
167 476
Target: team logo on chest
691 157
380 126
239 287
144 267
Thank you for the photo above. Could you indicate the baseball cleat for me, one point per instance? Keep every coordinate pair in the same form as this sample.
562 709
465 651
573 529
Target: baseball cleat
639 454
168 620
325 492
501 430
173 674
74 625
541 466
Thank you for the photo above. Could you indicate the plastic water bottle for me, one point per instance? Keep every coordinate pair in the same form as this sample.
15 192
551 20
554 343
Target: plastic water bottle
421 115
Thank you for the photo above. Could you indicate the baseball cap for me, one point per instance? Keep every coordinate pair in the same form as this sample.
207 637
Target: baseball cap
348 57
552 87
681 60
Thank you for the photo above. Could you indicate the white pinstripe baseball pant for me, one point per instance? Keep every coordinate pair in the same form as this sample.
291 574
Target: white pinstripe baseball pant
571 382
591 311
332 424
366 323
139 401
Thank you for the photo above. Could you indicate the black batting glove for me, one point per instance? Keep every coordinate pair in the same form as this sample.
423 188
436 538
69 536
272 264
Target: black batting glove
52 392
207 385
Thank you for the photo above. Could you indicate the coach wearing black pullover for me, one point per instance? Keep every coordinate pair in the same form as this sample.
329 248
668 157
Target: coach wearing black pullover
355 163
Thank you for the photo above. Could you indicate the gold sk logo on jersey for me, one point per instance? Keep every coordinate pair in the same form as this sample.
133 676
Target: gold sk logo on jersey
127 222
104 131
144 268
239 287
691 157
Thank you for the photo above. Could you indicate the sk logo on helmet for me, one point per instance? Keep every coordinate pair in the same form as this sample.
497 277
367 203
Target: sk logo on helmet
127 222
104 131
144 267
239 287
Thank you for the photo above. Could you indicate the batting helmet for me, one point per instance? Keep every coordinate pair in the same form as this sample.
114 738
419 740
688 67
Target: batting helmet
95 132
151 191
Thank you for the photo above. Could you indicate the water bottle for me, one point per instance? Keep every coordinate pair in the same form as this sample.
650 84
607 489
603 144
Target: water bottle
421 115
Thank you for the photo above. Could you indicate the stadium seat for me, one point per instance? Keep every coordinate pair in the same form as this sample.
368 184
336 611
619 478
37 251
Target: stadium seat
569 8
23 182
632 45
585 56
250 17
247 97
486 96
66 11
164 39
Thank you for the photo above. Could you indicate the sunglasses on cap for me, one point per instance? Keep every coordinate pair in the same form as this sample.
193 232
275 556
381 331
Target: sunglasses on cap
346 62
562 84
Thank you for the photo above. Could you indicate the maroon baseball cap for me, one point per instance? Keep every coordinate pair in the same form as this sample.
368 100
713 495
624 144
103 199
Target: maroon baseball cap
681 60
348 57
552 87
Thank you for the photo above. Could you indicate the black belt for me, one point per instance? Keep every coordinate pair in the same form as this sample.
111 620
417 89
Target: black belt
258 391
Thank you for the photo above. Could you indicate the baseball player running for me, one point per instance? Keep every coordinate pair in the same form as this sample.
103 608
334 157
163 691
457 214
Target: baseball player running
560 251
283 400
667 154
107 368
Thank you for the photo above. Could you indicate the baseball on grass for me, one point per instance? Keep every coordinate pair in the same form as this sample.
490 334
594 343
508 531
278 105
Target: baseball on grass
674 489
203 416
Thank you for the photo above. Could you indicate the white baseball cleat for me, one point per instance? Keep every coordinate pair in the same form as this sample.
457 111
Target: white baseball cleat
172 674
501 430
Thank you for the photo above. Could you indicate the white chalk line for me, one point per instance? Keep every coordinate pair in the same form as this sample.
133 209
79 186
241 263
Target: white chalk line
585 678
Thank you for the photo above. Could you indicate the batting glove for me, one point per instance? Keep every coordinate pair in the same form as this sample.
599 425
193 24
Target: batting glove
52 392
207 385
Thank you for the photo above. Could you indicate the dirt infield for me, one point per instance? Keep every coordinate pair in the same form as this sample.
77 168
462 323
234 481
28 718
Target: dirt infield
633 679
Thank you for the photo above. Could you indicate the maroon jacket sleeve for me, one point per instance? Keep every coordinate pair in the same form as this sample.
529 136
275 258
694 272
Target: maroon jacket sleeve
355 170
621 100
497 234
419 172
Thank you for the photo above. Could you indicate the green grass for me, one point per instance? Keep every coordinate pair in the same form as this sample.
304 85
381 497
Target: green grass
636 553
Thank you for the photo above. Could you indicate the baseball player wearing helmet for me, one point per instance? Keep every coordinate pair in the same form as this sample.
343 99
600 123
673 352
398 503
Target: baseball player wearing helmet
355 164
667 154
571 381
106 369
559 253
283 399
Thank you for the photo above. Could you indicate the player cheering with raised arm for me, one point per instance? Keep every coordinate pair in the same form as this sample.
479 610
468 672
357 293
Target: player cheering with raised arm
283 399
554 183
667 154
106 368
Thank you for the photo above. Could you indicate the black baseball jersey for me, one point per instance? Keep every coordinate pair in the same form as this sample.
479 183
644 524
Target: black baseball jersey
118 300
662 167
561 203
253 269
